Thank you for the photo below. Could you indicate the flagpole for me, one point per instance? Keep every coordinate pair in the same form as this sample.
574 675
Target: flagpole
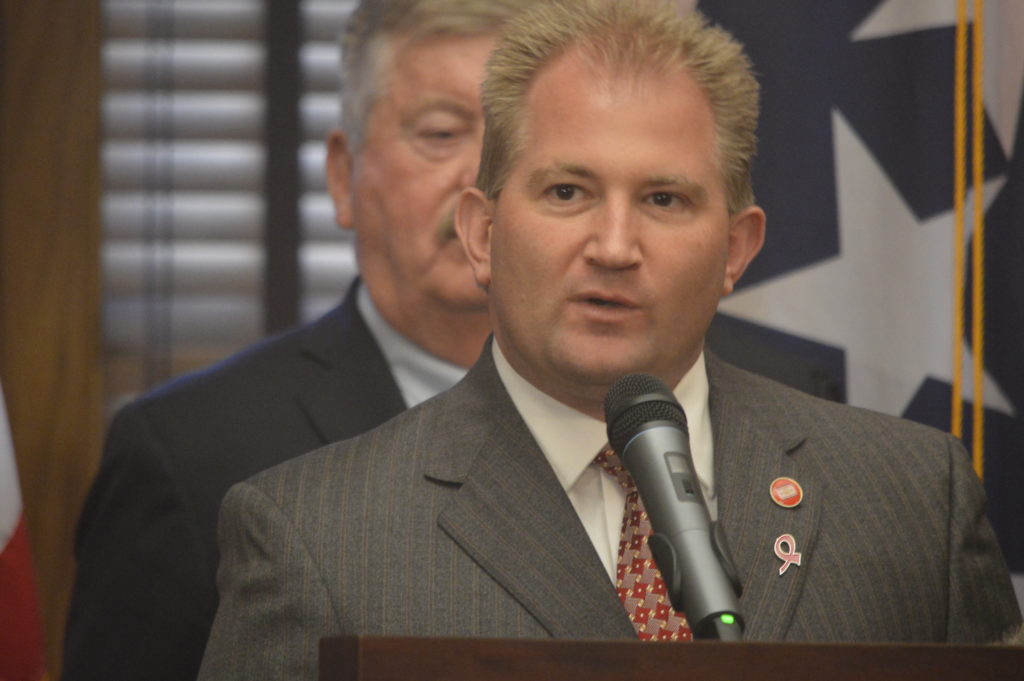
959 190
978 249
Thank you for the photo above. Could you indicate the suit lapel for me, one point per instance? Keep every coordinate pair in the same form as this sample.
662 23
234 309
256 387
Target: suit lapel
356 391
754 444
512 517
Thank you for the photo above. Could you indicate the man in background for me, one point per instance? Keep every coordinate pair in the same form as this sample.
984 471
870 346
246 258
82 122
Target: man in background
145 594
612 211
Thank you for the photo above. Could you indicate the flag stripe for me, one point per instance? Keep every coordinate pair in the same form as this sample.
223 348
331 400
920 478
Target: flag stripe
21 644
10 491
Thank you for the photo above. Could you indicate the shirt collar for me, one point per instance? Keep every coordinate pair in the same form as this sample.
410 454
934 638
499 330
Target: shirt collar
570 439
419 374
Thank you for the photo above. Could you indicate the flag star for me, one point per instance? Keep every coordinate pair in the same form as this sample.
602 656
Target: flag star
894 17
1004 62
895 336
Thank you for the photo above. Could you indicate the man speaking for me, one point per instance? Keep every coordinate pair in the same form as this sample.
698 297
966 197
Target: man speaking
612 211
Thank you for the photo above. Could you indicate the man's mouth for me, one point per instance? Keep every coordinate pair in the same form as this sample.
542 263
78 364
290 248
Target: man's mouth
601 302
610 301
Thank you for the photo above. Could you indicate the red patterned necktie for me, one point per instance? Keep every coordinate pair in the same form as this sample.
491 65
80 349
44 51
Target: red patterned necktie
638 580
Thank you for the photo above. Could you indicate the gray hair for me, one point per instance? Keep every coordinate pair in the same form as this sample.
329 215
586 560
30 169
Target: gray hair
369 40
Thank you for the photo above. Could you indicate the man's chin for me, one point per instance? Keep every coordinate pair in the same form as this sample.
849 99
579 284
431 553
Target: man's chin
603 368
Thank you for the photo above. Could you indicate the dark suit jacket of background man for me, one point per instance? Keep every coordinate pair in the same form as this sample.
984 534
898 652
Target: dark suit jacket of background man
449 521
146 544
169 459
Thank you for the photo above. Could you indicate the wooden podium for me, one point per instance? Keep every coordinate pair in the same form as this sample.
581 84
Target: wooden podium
463 659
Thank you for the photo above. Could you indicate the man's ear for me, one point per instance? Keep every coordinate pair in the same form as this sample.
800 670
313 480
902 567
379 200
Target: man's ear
339 177
746 237
473 220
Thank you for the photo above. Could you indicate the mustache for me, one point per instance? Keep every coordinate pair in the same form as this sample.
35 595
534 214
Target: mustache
446 228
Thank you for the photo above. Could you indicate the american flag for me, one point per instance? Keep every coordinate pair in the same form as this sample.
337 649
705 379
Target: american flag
856 174
21 644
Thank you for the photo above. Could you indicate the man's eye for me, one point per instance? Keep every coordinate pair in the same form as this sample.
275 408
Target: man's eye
438 135
564 192
670 201
439 142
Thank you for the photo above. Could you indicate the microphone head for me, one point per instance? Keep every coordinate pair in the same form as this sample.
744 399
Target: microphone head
637 399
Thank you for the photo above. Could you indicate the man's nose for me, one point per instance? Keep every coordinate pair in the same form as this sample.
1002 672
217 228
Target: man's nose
614 242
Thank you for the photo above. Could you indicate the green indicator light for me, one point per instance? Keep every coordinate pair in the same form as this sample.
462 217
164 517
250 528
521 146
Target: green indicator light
728 619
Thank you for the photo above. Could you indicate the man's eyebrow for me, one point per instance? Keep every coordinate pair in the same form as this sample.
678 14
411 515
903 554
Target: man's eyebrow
693 189
541 177
437 104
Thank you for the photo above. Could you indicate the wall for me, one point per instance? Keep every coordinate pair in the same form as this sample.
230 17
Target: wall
50 187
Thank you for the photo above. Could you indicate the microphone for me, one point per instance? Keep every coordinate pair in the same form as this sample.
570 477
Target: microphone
647 428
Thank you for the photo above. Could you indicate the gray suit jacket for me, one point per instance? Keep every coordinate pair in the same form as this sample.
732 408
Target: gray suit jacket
448 521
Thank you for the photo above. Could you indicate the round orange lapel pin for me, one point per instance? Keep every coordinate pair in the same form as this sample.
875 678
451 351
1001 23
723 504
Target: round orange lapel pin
786 492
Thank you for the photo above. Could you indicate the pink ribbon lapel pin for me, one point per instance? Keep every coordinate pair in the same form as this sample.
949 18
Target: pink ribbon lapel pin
785 549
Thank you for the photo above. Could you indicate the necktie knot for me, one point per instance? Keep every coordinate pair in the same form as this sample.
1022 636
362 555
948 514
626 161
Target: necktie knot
611 464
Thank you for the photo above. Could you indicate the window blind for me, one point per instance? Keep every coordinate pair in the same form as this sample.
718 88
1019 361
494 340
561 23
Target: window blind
327 258
184 160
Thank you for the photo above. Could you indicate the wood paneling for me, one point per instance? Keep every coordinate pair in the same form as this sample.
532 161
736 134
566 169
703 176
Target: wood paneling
50 187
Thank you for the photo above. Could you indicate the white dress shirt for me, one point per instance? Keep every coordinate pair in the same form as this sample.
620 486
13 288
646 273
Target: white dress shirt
570 440
419 374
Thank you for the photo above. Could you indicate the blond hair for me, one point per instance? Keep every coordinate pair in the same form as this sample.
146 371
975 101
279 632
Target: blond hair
369 39
635 36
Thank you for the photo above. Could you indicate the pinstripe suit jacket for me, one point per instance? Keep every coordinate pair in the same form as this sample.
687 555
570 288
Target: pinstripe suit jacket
448 521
